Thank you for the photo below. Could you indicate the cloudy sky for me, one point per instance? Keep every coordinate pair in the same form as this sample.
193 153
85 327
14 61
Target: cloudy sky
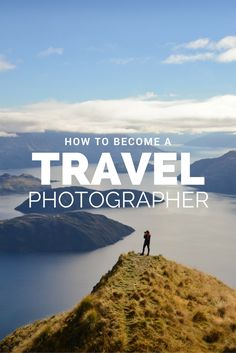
124 66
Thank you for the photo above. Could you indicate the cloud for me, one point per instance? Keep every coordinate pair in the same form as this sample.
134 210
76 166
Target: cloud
51 51
181 58
225 43
131 114
5 65
221 51
228 56
147 96
197 44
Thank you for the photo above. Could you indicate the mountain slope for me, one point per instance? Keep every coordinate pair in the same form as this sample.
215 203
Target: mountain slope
73 231
219 173
144 304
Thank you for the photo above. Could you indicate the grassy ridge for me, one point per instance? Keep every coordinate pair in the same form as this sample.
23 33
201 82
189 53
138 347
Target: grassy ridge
144 304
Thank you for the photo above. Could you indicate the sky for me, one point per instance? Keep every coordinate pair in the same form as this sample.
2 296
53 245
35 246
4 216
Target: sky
98 60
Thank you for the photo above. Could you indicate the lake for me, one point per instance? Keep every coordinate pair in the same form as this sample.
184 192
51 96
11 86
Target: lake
34 286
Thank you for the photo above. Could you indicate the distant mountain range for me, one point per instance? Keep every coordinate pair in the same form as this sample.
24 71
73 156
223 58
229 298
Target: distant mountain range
19 184
219 173
70 232
214 139
38 207
144 304
16 152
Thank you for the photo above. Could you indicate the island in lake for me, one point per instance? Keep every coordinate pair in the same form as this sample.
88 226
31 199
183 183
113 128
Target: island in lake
68 232
19 184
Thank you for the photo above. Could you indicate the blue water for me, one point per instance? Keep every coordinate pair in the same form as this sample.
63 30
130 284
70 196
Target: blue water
35 286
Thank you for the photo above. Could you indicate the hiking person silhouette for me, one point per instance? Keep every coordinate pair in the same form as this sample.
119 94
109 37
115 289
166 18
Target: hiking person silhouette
147 238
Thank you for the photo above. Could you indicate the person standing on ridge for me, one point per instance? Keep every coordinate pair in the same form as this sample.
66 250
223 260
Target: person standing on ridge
147 238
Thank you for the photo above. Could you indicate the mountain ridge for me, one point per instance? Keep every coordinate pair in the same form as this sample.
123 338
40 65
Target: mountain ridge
144 304
219 173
